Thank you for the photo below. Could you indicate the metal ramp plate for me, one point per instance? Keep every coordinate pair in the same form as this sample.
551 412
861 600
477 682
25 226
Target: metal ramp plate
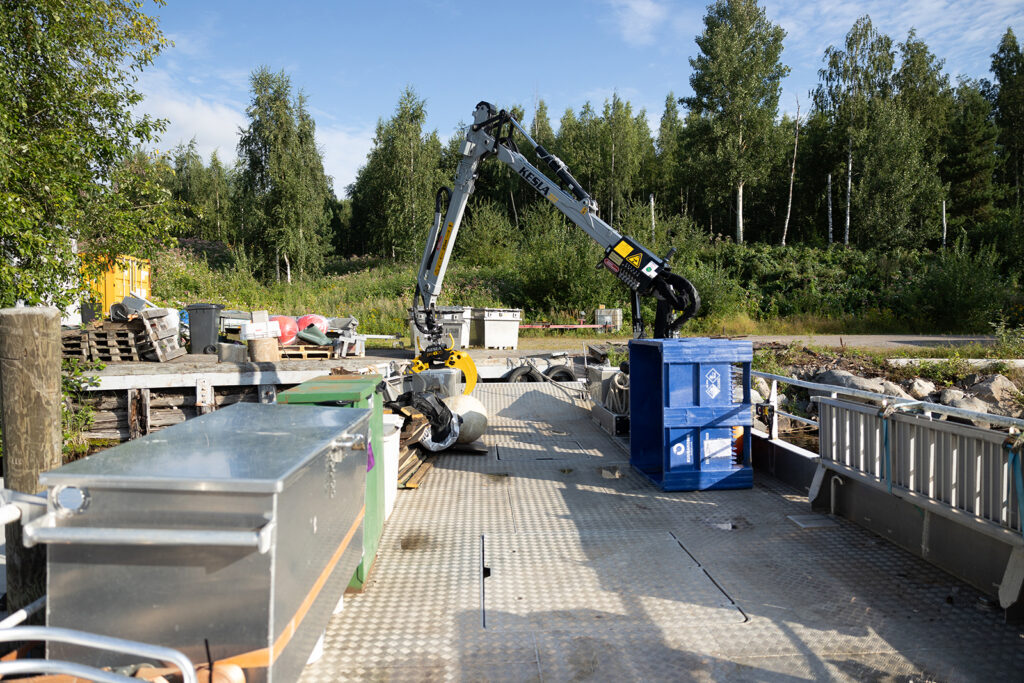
620 582
597 575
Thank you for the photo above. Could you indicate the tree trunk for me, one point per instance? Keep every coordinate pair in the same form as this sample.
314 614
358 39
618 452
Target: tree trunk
792 174
739 212
849 190
652 219
287 269
30 351
277 264
515 214
943 223
830 208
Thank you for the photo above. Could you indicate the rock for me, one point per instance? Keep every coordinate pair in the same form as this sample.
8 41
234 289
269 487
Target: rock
849 380
970 403
995 389
761 386
949 395
893 389
755 397
972 379
920 388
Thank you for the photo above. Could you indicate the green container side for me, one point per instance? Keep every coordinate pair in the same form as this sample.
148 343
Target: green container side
355 393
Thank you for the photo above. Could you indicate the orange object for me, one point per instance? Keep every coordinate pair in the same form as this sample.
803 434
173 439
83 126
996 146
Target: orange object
737 444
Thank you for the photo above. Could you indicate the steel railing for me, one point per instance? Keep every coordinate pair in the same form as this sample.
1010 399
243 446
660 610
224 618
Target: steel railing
900 445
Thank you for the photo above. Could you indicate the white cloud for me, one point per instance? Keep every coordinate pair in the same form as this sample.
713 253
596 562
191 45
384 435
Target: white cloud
214 125
637 20
344 151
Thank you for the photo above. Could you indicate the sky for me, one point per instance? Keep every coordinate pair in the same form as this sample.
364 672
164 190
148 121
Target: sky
354 58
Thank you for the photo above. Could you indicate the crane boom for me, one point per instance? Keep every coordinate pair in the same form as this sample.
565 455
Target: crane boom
491 134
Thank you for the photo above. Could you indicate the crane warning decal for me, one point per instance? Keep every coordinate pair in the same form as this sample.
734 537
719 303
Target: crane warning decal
635 259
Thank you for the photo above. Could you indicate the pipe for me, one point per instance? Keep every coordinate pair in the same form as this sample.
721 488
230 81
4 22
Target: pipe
23 614
72 637
836 479
9 513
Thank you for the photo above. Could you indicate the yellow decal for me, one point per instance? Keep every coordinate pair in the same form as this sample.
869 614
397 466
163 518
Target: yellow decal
623 249
552 197
635 259
583 211
444 248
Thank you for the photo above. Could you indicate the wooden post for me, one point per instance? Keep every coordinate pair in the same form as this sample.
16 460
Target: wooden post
30 352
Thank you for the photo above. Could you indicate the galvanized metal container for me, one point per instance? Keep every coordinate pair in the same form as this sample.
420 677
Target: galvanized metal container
240 528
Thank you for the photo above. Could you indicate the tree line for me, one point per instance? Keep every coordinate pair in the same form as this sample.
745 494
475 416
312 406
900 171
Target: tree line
885 152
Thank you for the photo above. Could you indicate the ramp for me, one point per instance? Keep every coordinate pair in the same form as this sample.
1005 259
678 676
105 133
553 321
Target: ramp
594 574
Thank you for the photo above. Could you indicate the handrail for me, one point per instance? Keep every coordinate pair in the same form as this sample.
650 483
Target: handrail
923 406
93 640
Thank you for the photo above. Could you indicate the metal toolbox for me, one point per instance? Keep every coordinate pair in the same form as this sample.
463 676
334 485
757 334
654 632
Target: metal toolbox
240 528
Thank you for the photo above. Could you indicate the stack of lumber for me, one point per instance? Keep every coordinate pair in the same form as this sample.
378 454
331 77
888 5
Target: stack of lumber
413 462
115 342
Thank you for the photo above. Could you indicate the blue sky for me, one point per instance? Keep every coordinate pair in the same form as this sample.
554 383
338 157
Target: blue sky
354 58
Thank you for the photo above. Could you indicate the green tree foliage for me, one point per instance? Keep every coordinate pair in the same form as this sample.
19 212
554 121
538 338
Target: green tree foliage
1008 71
393 194
970 157
68 135
851 79
668 184
736 89
282 208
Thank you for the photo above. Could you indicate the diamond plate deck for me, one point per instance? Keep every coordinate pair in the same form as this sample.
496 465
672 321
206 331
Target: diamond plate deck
597 575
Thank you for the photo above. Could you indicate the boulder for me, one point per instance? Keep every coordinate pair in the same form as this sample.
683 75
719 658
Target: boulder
761 386
995 389
849 380
970 403
919 388
949 395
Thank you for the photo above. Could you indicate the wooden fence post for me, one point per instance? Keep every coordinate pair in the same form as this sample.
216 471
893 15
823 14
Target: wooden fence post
30 353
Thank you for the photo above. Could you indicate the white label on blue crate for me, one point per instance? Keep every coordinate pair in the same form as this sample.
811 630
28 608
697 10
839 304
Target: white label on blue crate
679 450
712 383
716 448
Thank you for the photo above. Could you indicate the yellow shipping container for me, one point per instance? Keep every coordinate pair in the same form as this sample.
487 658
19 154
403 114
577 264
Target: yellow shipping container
127 275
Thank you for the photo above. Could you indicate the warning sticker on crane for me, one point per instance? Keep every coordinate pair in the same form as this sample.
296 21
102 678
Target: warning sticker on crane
650 269
623 248
635 259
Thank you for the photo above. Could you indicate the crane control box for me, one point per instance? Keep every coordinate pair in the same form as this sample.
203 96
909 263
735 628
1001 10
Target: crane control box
632 264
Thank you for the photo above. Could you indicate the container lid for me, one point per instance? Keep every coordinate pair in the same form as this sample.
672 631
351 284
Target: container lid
244 448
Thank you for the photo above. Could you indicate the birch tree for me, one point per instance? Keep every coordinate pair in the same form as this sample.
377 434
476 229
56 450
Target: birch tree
851 78
736 84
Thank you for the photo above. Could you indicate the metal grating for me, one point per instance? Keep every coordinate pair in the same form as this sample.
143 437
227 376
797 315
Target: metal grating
597 575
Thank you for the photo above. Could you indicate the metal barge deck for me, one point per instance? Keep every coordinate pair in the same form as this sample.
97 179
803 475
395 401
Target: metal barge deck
595 574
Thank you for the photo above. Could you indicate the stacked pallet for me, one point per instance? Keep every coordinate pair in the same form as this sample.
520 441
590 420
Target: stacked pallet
413 463
75 344
159 340
115 342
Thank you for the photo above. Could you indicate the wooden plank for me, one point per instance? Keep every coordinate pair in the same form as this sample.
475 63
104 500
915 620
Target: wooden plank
417 479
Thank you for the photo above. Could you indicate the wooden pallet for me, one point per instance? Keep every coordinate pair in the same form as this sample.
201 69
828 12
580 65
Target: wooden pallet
75 344
115 342
160 338
307 352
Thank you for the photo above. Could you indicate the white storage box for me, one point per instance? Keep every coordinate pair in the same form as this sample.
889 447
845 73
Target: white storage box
264 330
609 316
496 328
454 320
390 444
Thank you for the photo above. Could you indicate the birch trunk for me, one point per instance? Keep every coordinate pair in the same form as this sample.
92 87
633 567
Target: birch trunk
792 175
849 190
739 212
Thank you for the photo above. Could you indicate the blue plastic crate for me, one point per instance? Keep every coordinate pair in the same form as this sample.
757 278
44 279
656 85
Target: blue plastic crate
689 408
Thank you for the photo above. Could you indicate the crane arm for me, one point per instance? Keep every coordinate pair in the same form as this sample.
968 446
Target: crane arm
491 134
